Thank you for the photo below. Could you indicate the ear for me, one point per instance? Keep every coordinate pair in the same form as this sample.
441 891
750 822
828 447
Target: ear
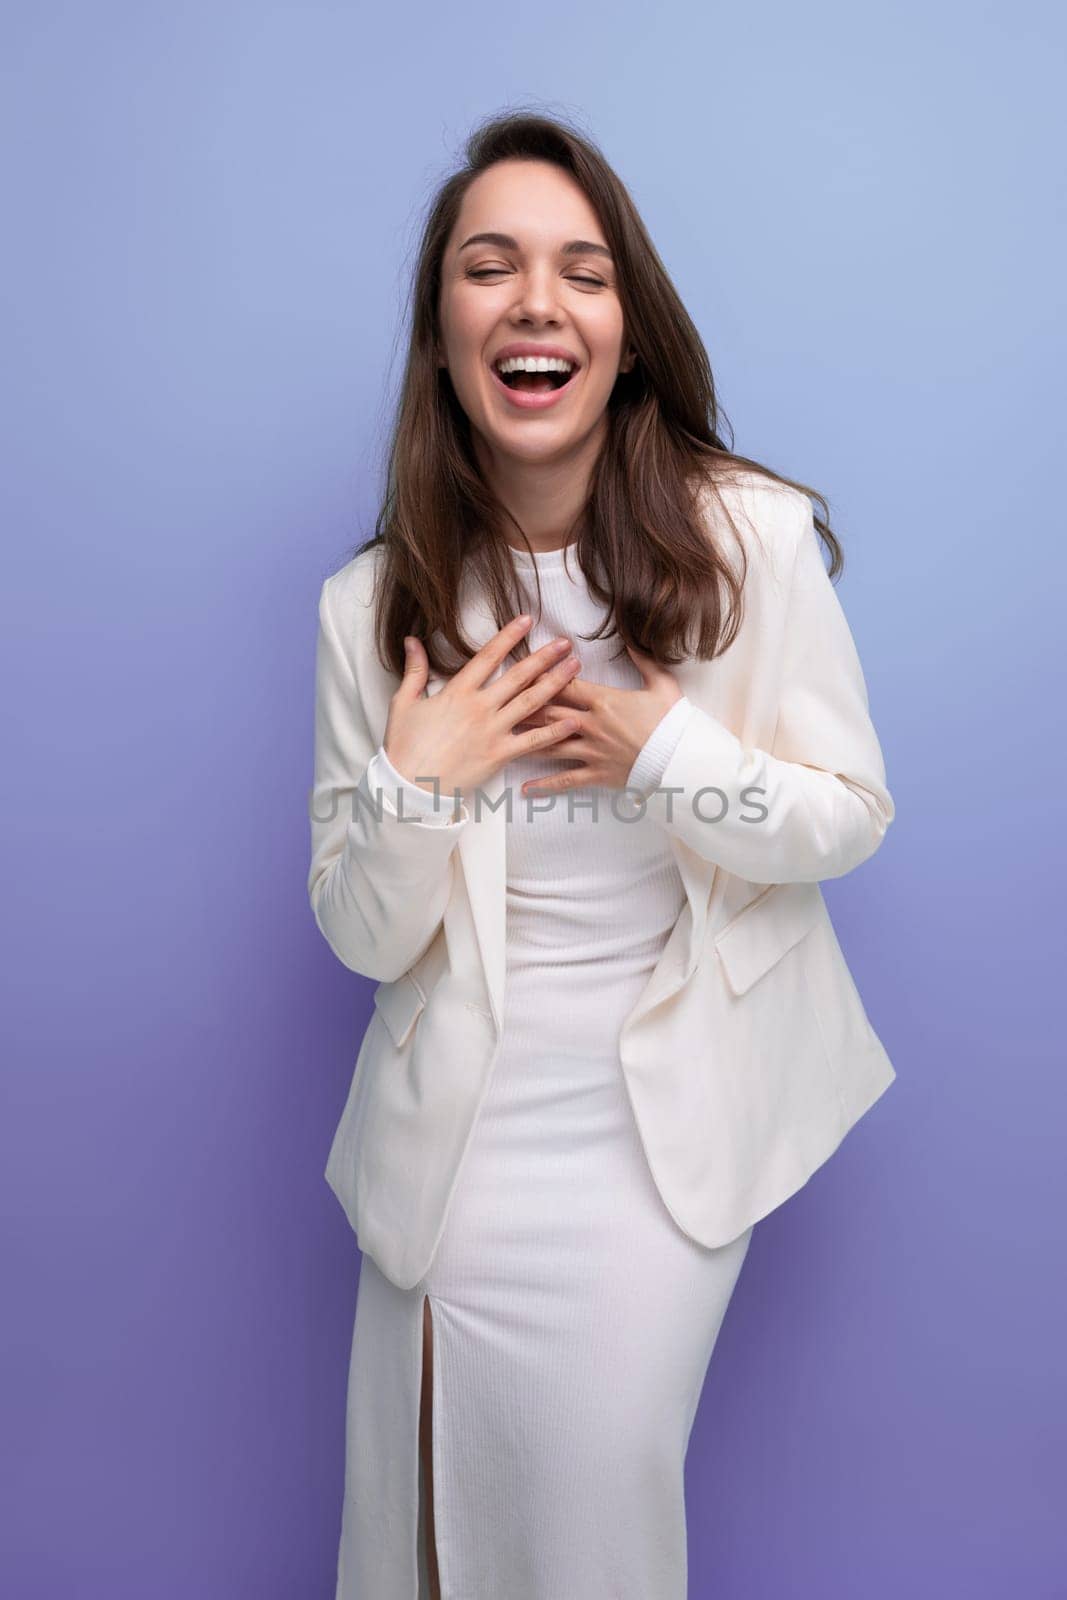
627 363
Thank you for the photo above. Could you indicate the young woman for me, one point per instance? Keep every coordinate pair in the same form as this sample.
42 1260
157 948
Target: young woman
613 1027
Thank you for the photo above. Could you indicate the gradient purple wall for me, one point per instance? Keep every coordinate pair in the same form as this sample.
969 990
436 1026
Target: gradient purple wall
210 211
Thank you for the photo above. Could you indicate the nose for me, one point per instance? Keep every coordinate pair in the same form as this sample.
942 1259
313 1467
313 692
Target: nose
538 297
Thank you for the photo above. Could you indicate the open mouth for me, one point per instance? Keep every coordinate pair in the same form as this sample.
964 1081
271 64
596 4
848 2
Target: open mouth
536 382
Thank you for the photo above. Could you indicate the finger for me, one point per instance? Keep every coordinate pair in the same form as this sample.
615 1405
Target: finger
644 664
481 666
566 743
650 669
547 716
577 694
547 739
578 777
536 695
521 674
416 669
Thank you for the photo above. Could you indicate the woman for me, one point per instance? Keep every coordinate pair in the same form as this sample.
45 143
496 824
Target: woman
602 1046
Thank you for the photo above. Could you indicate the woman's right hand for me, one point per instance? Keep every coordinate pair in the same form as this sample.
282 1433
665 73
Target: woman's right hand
463 734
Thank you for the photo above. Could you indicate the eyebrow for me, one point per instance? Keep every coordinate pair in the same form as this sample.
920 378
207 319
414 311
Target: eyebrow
573 247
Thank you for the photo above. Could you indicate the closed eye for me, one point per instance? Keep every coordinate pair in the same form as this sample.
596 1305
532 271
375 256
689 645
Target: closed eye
484 272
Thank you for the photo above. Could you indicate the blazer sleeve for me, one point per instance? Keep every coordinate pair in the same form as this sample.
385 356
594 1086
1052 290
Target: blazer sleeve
380 876
814 806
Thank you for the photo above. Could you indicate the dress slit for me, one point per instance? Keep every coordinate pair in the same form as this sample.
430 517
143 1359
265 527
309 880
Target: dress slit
428 1502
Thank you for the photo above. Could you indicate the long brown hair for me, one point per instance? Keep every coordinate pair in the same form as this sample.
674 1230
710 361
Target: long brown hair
642 538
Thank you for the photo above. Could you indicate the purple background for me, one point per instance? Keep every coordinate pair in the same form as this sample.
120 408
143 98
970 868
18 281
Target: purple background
210 214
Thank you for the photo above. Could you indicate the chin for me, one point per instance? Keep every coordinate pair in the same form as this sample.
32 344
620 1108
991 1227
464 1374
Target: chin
547 447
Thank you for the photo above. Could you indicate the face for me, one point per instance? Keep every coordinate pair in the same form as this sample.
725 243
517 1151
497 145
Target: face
539 290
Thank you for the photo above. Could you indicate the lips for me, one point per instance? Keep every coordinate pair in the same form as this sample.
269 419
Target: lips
522 347
528 400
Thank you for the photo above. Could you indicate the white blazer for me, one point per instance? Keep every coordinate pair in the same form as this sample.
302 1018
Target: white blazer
748 1055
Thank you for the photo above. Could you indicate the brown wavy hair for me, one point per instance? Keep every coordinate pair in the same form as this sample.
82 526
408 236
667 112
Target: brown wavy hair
641 538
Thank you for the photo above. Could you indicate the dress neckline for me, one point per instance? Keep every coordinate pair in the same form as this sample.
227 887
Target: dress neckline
540 558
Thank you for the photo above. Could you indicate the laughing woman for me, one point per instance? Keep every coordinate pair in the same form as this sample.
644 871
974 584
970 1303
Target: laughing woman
590 730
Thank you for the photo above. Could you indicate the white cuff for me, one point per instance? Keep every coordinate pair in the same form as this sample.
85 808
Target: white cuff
417 803
657 750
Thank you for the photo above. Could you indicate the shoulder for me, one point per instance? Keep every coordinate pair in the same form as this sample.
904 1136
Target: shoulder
347 596
765 518
347 617
772 511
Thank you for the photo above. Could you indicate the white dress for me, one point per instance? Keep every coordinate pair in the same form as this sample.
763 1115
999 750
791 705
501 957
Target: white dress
573 1320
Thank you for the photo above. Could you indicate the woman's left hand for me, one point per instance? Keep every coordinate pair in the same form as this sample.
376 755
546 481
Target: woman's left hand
615 726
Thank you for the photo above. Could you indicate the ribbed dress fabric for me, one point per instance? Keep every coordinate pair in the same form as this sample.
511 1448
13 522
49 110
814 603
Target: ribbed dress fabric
573 1320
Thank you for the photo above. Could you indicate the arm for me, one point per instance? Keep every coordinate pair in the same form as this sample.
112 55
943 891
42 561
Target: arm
378 883
823 786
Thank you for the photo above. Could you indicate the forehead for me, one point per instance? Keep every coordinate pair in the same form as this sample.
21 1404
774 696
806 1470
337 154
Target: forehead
534 201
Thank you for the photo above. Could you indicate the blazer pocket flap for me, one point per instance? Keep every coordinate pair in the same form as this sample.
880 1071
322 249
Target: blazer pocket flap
399 1002
764 930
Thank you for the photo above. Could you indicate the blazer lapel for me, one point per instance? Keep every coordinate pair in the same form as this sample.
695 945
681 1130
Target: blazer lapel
481 849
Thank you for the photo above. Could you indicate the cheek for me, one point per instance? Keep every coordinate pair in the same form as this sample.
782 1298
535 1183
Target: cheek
602 375
604 341
469 320
463 339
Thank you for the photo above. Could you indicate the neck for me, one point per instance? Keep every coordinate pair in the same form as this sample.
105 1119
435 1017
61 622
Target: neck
545 498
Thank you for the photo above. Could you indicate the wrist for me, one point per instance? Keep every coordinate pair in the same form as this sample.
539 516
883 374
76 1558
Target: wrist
424 799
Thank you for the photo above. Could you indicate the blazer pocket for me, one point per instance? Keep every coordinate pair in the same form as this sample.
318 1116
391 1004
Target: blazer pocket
761 933
399 1003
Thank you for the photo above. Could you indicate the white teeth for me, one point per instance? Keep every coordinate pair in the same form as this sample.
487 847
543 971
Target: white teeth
534 364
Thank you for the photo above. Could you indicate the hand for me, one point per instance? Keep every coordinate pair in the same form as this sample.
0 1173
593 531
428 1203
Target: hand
466 732
613 727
